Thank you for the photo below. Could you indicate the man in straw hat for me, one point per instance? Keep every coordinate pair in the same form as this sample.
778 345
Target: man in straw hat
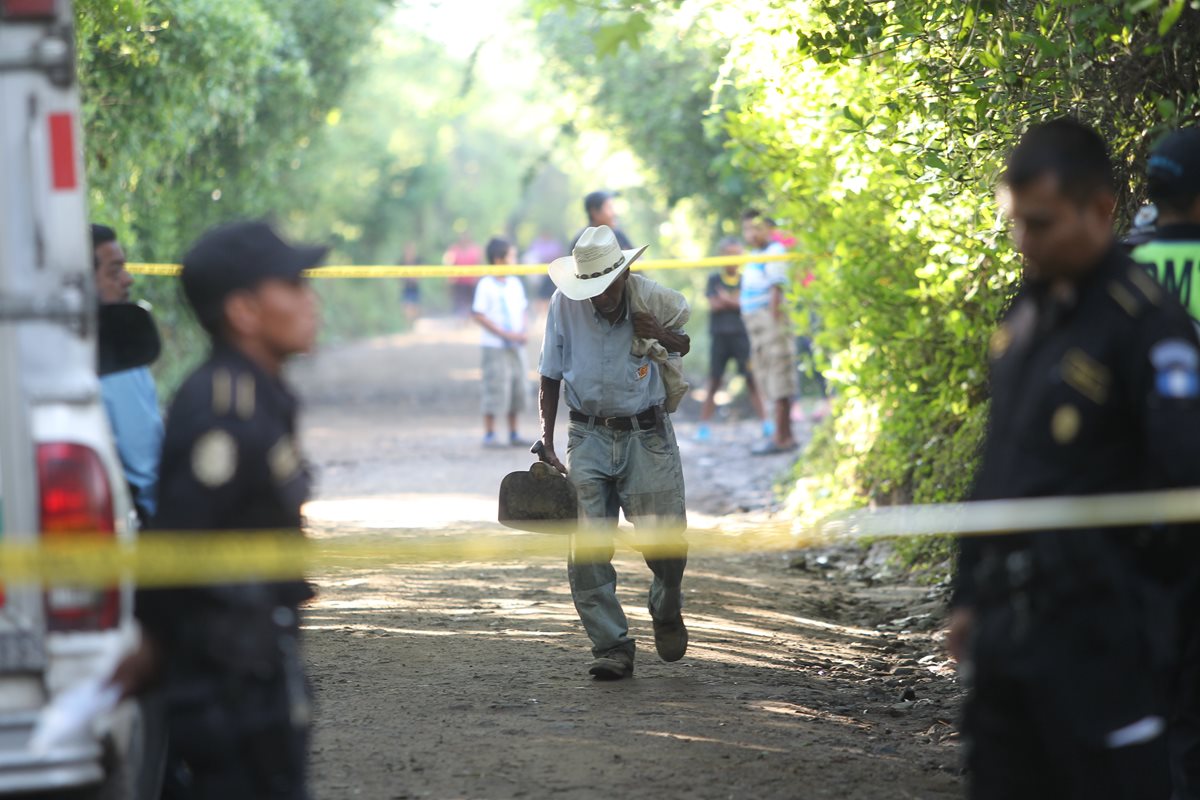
621 449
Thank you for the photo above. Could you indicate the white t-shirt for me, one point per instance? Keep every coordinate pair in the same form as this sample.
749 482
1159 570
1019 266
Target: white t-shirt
759 277
501 300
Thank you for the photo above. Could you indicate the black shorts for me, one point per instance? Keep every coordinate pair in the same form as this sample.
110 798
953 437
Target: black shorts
728 347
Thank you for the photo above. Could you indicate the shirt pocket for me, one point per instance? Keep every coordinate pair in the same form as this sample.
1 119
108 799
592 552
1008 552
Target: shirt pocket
638 369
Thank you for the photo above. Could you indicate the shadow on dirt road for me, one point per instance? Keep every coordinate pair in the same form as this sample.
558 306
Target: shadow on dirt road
469 680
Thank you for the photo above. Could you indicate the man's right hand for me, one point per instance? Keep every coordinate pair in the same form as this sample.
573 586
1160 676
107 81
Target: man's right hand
958 635
547 455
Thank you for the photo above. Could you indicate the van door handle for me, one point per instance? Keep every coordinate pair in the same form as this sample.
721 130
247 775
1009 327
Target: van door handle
36 173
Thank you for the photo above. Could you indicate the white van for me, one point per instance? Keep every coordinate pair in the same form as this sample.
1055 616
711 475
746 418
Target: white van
59 471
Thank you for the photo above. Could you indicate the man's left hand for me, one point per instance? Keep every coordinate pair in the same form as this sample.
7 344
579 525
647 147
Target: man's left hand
645 326
137 669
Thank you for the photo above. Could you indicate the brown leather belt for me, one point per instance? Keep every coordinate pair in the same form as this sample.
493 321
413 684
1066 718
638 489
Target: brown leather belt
646 419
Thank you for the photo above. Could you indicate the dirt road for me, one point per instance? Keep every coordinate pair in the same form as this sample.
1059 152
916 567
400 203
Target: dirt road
469 680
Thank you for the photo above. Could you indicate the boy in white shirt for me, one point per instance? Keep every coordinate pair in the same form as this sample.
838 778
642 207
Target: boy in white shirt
500 309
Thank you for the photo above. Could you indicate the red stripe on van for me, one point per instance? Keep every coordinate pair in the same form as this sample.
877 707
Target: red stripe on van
62 152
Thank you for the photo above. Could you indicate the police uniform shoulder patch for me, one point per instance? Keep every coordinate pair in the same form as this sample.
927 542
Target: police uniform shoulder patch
246 389
1145 284
1125 298
214 458
1176 369
222 392
1000 342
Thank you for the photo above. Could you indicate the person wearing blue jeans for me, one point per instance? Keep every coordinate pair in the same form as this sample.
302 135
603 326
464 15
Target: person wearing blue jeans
621 450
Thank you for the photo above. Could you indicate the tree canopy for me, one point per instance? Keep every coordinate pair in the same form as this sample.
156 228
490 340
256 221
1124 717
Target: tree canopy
875 132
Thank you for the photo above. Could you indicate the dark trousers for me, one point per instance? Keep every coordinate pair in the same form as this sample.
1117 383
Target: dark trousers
269 767
1054 679
1185 705
1020 749
246 749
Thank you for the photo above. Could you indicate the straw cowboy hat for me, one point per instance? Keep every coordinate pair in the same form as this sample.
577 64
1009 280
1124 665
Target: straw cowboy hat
593 265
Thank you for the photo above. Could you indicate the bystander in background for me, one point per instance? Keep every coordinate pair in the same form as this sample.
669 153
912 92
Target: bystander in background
410 293
728 339
500 308
130 396
772 343
542 250
463 253
599 208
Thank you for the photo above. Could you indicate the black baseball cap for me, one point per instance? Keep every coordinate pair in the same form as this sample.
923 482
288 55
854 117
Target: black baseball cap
1174 164
594 200
241 255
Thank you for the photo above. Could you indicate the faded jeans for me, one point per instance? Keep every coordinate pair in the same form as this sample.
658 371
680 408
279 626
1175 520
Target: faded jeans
638 472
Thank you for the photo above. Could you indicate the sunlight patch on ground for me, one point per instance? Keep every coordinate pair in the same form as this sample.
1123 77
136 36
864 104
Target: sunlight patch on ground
807 622
388 512
683 737
379 629
796 710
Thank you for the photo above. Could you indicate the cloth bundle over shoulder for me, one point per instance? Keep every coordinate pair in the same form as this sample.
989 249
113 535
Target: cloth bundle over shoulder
671 310
538 499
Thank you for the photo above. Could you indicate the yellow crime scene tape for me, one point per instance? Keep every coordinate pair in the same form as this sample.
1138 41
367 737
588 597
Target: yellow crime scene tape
200 558
441 271
157 560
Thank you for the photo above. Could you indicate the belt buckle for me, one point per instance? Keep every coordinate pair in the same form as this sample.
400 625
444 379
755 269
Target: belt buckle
608 422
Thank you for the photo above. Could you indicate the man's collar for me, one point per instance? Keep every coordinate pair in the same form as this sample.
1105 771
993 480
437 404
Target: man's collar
225 351
1179 232
620 317
1065 296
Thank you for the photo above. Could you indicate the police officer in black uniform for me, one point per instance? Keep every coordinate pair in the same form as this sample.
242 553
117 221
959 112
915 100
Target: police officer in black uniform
1063 636
1171 254
1172 251
226 657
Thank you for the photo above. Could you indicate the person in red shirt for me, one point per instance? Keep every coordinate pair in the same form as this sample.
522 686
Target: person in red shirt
463 253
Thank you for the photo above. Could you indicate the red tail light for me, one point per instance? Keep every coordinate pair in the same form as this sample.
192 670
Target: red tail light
28 9
76 500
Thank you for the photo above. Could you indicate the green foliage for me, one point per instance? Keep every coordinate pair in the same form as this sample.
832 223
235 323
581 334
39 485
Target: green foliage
987 69
340 119
877 132
420 150
660 89
931 96
608 32
195 111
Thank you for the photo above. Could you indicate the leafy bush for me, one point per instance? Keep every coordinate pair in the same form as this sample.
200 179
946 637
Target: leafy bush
876 132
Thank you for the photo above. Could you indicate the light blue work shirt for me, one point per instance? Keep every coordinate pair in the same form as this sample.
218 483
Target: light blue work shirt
759 277
594 360
132 405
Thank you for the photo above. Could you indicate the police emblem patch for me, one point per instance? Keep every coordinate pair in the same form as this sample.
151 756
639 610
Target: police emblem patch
1065 424
1176 369
214 458
284 460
